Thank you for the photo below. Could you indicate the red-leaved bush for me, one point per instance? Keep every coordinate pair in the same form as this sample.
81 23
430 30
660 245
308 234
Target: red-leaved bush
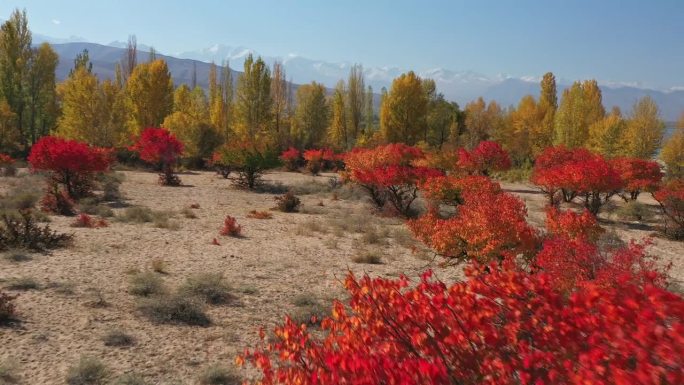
671 199
7 167
85 220
497 327
637 175
314 160
290 158
162 149
454 190
388 174
576 172
571 225
488 227
486 157
230 227
71 167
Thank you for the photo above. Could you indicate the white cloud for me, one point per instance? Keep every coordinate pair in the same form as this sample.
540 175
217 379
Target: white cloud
56 22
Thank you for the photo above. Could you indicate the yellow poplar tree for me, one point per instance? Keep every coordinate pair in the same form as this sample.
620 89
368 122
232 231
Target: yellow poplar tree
673 152
606 135
149 95
404 110
645 129
337 133
580 107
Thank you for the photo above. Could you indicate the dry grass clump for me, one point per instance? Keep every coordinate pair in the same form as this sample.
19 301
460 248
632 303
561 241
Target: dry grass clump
92 206
118 338
158 265
254 214
210 287
88 371
19 230
634 211
17 255
310 227
8 373
136 214
188 213
145 284
367 256
218 375
174 309
130 379
288 202
310 311
23 284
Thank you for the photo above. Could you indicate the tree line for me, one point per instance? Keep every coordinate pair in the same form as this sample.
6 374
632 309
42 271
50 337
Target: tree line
263 106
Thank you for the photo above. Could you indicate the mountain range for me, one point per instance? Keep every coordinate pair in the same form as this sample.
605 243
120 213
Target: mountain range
459 86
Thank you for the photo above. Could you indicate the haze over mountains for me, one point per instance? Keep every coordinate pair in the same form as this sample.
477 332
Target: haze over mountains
459 86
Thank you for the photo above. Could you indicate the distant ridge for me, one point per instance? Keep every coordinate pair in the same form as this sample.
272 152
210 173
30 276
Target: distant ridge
459 86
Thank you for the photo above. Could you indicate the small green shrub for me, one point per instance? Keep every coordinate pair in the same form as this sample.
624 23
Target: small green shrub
17 255
211 287
145 284
174 309
634 211
88 371
20 230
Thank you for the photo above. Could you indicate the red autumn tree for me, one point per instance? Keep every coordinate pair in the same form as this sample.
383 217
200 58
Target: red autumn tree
71 165
290 158
670 197
162 149
388 174
637 175
499 327
453 190
576 172
486 157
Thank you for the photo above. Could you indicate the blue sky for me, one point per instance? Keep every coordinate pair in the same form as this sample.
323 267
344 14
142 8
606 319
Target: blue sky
610 40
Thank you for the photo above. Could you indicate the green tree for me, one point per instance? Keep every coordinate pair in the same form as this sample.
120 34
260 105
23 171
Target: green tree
369 117
442 121
311 116
645 130
254 104
355 100
279 95
404 110
149 95
41 96
15 54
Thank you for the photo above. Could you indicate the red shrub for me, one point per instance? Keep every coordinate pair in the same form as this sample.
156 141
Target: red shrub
215 242
161 148
486 157
501 327
387 173
290 158
314 160
571 225
576 172
85 220
671 200
71 164
486 227
230 227
57 201
7 167
453 190
637 175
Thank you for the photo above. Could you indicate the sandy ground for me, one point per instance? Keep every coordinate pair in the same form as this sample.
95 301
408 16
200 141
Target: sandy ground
277 260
